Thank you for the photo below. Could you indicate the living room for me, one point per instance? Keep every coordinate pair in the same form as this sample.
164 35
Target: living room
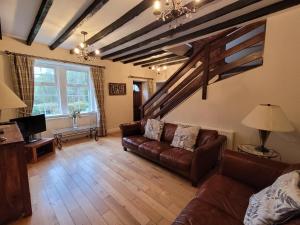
149 117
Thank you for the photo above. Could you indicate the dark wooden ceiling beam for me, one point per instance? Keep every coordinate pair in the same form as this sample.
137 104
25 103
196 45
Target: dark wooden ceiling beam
144 56
150 27
172 59
89 12
135 11
196 22
0 30
39 19
173 63
220 26
155 59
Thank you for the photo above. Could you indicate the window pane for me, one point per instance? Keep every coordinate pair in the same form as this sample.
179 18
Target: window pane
45 75
77 77
46 95
78 95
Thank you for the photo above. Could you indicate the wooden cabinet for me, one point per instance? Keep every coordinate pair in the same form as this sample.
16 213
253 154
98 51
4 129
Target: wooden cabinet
14 188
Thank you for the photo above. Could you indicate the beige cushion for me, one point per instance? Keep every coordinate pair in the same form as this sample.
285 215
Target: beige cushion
277 203
185 137
153 129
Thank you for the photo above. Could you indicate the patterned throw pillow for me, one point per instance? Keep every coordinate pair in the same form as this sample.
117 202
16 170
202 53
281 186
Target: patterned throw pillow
277 203
185 137
153 129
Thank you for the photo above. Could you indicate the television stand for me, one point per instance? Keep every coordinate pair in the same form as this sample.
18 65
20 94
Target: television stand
40 148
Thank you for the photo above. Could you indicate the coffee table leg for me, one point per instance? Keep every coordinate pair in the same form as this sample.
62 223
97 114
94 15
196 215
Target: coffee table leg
58 140
96 134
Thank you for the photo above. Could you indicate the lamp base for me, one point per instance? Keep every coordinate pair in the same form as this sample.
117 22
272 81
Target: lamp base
262 149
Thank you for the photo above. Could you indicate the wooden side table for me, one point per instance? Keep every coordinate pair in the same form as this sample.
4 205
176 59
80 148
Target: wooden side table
39 148
250 149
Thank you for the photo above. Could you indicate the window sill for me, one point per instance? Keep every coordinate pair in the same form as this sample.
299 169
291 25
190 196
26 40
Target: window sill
69 117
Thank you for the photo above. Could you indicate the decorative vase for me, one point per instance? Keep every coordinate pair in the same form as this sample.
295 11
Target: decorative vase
75 122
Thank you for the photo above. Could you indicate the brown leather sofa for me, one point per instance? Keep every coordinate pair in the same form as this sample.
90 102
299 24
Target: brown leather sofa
192 165
223 198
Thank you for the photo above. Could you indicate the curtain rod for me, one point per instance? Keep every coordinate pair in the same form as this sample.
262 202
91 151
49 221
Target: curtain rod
145 78
58 60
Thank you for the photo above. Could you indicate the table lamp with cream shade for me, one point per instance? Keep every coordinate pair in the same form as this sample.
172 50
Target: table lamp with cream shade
267 118
8 100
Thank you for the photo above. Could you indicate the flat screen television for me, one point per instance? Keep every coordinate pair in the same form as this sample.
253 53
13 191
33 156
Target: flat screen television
30 126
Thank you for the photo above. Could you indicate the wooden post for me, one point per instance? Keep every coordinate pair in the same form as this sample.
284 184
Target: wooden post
205 70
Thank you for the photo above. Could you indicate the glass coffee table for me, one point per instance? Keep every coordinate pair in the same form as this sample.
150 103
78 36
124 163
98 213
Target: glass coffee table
61 135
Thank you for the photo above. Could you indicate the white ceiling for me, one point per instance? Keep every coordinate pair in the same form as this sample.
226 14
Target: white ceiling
17 17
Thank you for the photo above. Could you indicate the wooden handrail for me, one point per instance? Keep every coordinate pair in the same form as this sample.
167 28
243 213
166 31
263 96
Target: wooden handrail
212 53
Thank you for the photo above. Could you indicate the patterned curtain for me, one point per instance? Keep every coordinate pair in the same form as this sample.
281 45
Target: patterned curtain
150 85
23 81
98 78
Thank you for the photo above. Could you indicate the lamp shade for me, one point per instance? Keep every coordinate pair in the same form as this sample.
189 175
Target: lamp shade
269 118
8 99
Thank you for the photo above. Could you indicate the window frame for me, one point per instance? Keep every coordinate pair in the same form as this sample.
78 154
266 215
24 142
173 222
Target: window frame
61 85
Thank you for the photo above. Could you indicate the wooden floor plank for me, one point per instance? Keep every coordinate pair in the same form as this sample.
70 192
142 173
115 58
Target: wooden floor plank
92 182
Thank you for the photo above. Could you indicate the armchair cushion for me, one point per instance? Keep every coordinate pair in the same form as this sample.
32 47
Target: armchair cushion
133 142
198 212
226 194
177 158
153 149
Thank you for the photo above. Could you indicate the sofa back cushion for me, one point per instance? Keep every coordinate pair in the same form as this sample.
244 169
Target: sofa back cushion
205 136
168 132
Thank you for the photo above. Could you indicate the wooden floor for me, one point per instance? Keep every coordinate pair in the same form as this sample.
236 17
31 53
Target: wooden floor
98 183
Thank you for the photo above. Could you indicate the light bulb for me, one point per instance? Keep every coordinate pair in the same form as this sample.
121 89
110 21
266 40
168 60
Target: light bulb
156 7
76 50
153 67
97 52
82 45
165 67
158 69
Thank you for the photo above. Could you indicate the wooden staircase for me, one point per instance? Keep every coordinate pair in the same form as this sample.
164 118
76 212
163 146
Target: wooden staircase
213 59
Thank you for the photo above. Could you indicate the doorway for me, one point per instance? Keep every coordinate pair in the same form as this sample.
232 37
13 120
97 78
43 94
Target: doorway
137 100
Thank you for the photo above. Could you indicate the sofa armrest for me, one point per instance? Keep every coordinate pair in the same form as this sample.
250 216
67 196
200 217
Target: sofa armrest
251 170
206 157
130 129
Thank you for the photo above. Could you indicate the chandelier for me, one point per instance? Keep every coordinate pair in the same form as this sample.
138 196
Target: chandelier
83 50
158 69
173 9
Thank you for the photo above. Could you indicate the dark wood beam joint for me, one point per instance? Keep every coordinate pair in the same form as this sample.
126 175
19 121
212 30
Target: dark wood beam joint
89 12
135 11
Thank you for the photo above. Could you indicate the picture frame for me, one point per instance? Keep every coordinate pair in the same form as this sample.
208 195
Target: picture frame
117 88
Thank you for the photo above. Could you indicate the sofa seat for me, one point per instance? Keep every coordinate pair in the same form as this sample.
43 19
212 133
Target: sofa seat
153 149
199 212
177 158
133 142
226 194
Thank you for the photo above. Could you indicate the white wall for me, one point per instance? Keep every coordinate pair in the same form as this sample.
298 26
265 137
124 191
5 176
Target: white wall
119 109
276 82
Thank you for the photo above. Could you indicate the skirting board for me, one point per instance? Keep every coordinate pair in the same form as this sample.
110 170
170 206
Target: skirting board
113 130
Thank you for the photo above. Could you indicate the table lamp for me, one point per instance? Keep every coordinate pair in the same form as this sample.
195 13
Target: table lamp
8 100
267 118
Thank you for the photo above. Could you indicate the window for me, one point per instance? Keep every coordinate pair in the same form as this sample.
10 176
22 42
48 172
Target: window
61 89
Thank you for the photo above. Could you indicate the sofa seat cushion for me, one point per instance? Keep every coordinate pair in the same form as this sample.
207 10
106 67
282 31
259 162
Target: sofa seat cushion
226 194
153 149
177 158
198 212
133 142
